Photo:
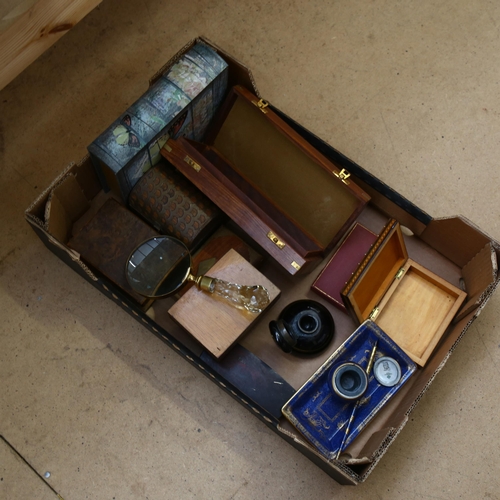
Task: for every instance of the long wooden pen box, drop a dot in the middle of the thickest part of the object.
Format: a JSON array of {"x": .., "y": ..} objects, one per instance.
[
  {"x": 280, "y": 190},
  {"x": 411, "y": 304}
]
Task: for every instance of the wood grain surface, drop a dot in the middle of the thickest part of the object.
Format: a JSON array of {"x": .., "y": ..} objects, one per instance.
[
  {"x": 35, "y": 31},
  {"x": 212, "y": 321}
]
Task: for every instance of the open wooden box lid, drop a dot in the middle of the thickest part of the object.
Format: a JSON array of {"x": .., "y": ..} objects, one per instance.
[
  {"x": 377, "y": 271},
  {"x": 281, "y": 191},
  {"x": 311, "y": 191}
]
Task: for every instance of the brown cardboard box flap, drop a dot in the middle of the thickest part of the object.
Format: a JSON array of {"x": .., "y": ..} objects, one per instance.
[
  {"x": 65, "y": 205},
  {"x": 479, "y": 275},
  {"x": 457, "y": 238}
]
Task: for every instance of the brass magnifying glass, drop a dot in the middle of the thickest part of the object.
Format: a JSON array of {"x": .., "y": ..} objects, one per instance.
[{"x": 160, "y": 266}]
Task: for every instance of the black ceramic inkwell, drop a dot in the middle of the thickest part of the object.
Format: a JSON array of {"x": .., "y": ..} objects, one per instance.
[
  {"x": 349, "y": 381},
  {"x": 304, "y": 326}
]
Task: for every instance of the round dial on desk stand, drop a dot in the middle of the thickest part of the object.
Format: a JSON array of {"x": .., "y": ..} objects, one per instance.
[{"x": 387, "y": 371}]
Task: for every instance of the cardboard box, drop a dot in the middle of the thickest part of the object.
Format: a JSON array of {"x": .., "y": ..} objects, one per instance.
[{"x": 255, "y": 372}]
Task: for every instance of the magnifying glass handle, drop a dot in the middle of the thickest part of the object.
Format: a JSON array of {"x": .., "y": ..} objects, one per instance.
[{"x": 253, "y": 298}]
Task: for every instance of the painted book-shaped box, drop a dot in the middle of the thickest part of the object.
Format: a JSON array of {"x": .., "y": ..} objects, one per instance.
[{"x": 180, "y": 104}]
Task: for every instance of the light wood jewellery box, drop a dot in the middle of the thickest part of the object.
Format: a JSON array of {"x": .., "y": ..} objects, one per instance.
[{"x": 413, "y": 305}]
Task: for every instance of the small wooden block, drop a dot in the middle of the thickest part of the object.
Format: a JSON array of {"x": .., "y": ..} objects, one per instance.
[{"x": 215, "y": 323}]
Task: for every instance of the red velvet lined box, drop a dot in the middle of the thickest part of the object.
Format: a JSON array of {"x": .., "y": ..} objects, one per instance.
[{"x": 346, "y": 259}]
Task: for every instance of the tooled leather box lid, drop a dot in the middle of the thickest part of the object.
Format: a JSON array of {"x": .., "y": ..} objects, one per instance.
[{"x": 375, "y": 274}]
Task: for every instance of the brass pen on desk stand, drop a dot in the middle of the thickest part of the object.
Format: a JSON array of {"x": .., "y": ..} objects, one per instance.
[
  {"x": 368, "y": 370},
  {"x": 369, "y": 366}
]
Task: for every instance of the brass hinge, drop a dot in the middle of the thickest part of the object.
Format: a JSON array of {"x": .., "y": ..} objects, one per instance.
[
  {"x": 296, "y": 266},
  {"x": 400, "y": 273},
  {"x": 280, "y": 244},
  {"x": 374, "y": 314},
  {"x": 262, "y": 105},
  {"x": 343, "y": 175},
  {"x": 192, "y": 163}
]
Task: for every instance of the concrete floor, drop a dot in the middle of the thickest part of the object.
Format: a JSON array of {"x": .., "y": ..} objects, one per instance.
[{"x": 409, "y": 90}]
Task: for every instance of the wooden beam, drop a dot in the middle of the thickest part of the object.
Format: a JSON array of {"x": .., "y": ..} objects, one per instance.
[{"x": 35, "y": 31}]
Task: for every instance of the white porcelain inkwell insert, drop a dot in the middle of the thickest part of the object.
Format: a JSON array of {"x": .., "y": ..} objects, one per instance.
[{"x": 387, "y": 371}]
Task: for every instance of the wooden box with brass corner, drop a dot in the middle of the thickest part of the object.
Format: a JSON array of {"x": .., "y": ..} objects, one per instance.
[{"x": 287, "y": 196}]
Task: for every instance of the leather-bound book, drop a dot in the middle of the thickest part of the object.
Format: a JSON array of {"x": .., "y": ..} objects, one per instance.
[{"x": 107, "y": 240}]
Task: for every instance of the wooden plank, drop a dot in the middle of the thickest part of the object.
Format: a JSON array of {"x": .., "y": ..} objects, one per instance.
[
  {"x": 35, "y": 31},
  {"x": 11, "y": 10}
]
